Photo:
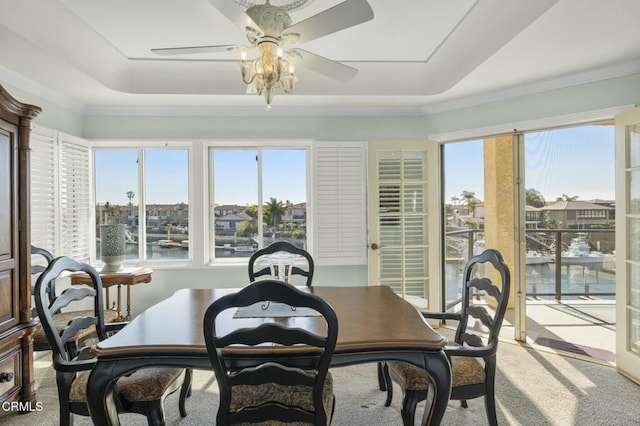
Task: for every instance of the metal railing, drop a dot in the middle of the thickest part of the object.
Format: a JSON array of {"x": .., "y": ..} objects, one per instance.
[{"x": 560, "y": 263}]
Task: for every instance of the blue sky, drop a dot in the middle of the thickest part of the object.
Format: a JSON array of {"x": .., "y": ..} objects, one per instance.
[
  {"x": 573, "y": 161},
  {"x": 235, "y": 175}
]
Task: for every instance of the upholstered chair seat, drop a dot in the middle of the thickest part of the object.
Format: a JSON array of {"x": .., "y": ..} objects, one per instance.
[
  {"x": 464, "y": 371},
  {"x": 299, "y": 396},
  {"x": 144, "y": 385}
]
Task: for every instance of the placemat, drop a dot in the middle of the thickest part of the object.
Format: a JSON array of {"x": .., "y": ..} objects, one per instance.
[{"x": 274, "y": 310}]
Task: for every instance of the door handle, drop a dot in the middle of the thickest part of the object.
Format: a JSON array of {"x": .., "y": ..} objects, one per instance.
[{"x": 375, "y": 246}]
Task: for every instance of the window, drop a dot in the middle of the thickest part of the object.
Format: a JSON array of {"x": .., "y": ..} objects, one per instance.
[
  {"x": 256, "y": 194},
  {"x": 155, "y": 208},
  {"x": 259, "y": 195}
]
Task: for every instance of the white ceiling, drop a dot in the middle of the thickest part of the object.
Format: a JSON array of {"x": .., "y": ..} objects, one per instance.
[{"x": 414, "y": 55}]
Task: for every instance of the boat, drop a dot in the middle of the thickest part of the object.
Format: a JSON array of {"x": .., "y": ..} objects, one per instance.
[
  {"x": 532, "y": 257},
  {"x": 185, "y": 244},
  {"x": 168, "y": 244},
  {"x": 244, "y": 249},
  {"x": 579, "y": 253}
]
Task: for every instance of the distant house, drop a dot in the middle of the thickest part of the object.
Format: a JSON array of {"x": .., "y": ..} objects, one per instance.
[
  {"x": 228, "y": 222},
  {"x": 580, "y": 214},
  {"x": 226, "y": 209},
  {"x": 296, "y": 213},
  {"x": 532, "y": 217}
]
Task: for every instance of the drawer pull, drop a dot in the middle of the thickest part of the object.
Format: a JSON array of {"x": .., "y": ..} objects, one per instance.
[{"x": 7, "y": 376}]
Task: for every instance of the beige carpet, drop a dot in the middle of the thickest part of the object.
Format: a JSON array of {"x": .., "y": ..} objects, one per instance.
[{"x": 533, "y": 388}]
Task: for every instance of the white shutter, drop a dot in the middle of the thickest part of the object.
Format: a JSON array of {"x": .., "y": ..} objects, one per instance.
[
  {"x": 340, "y": 203},
  {"x": 75, "y": 197},
  {"x": 43, "y": 188}
]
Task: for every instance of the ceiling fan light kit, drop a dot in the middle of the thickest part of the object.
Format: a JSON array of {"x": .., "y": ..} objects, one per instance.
[
  {"x": 269, "y": 27},
  {"x": 268, "y": 72}
]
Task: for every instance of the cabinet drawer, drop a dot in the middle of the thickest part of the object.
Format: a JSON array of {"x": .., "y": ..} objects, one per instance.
[{"x": 10, "y": 377}]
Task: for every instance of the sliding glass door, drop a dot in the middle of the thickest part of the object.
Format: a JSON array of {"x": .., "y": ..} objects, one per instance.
[{"x": 628, "y": 239}]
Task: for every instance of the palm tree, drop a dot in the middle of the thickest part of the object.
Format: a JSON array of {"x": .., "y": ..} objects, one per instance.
[
  {"x": 273, "y": 211},
  {"x": 470, "y": 198},
  {"x": 565, "y": 197}
]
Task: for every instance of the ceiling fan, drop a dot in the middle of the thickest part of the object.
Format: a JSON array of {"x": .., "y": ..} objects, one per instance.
[{"x": 269, "y": 28}]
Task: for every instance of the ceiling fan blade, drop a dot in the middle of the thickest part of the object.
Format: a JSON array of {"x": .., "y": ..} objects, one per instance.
[
  {"x": 321, "y": 65},
  {"x": 339, "y": 17},
  {"x": 234, "y": 13},
  {"x": 168, "y": 51}
]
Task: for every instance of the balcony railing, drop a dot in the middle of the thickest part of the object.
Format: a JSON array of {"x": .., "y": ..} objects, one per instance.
[{"x": 560, "y": 263}]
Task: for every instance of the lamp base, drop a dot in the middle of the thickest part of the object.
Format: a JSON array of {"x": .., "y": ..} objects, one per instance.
[{"x": 112, "y": 263}]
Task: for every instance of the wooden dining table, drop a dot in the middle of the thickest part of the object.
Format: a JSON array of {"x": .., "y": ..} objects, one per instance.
[{"x": 375, "y": 324}]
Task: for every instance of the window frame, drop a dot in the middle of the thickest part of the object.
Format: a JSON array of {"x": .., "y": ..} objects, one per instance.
[
  {"x": 210, "y": 146},
  {"x": 140, "y": 146}
]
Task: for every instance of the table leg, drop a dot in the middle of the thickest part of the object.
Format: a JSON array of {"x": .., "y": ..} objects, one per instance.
[
  {"x": 106, "y": 290},
  {"x": 119, "y": 306},
  {"x": 438, "y": 367},
  {"x": 128, "y": 317},
  {"x": 100, "y": 395}
]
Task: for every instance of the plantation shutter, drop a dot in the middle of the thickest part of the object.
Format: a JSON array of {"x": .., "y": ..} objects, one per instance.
[
  {"x": 75, "y": 196},
  {"x": 402, "y": 189},
  {"x": 340, "y": 203},
  {"x": 60, "y": 193},
  {"x": 43, "y": 189}
]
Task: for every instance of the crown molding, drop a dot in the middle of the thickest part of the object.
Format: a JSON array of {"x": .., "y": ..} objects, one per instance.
[
  {"x": 589, "y": 76},
  {"x": 584, "y": 77},
  {"x": 233, "y": 111},
  {"x": 36, "y": 89}
]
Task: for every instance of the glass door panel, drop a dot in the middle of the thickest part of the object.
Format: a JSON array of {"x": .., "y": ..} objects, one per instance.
[{"x": 628, "y": 243}]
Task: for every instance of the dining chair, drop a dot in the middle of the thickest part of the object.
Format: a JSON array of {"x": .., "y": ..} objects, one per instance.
[
  {"x": 60, "y": 319},
  {"x": 272, "y": 389},
  {"x": 472, "y": 354},
  {"x": 258, "y": 259},
  {"x": 37, "y": 268},
  {"x": 141, "y": 392}
]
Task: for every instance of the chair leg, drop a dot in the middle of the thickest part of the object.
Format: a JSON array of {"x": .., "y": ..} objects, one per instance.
[
  {"x": 381, "y": 379},
  {"x": 490, "y": 407},
  {"x": 333, "y": 409},
  {"x": 155, "y": 414},
  {"x": 185, "y": 391},
  {"x": 388, "y": 384},
  {"x": 409, "y": 405},
  {"x": 463, "y": 403},
  {"x": 66, "y": 417}
]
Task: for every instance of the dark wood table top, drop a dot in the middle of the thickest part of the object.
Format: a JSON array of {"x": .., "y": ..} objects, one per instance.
[{"x": 369, "y": 317}]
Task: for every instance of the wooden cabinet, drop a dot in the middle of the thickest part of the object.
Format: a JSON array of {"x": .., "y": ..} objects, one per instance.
[{"x": 16, "y": 325}]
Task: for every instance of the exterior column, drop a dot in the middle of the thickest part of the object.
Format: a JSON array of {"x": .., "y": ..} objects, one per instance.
[{"x": 500, "y": 201}]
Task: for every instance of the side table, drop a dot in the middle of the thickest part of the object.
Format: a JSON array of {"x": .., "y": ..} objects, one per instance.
[{"x": 127, "y": 277}]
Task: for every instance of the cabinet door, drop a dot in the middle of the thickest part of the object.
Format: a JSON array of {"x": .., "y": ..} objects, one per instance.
[{"x": 8, "y": 233}]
